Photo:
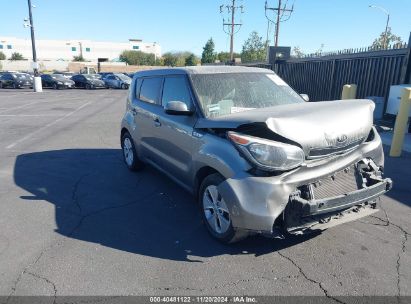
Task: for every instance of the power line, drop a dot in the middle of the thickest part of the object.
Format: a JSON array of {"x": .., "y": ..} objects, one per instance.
[
  {"x": 230, "y": 27},
  {"x": 282, "y": 14}
]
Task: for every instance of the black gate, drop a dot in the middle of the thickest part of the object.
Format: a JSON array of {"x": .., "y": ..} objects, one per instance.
[{"x": 322, "y": 78}]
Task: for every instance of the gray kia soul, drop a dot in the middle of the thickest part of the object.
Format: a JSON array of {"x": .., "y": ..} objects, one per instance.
[{"x": 256, "y": 155}]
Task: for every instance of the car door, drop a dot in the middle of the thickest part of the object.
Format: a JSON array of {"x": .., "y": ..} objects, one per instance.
[
  {"x": 9, "y": 80},
  {"x": 110, "y": 80},
  {"x": 174, "y": 135},
  {"x": 47, "y": 80},
  {"x": 118, "y": 82},
  {"x": 146, "y": 106}
]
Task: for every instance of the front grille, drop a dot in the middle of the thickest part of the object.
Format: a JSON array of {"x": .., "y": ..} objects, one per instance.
[
  {"x": 338, "y": 184},
  {"x": 321, "y": 152}
]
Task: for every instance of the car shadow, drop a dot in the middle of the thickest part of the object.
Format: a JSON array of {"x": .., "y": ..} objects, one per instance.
[{"x": 98, "y": 200}]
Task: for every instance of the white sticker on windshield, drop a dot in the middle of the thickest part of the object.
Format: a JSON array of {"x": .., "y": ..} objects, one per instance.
[
  {"x": 240, "y": 109},
  {"x": 277, "y": 80},
  {"x": 213, "y": 107}
]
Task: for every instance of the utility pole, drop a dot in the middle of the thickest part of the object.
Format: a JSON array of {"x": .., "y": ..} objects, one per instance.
[
  {"x": 230, "y": 26},
  {"x": 282, "y": 14},
  {"x": 37, "y": 79},
  {"x": 33, "y": 41}
]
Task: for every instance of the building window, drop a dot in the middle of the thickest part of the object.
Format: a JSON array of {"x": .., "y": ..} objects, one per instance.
[
  {"x": 135, "y": 47},
  {"x": 1, "y": 46},
  {"x": 87, "y": 49},
  {"x": 9, "y": 47},
  {"x": 73, "y": 49}
]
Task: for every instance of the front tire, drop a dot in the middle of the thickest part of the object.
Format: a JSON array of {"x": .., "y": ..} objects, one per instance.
[
  {"x": 129, "y": 153},
  {"x": 215, "y": 213},
  {"x": 88, "y": 86},
  {"x": 55, "y": 86}
]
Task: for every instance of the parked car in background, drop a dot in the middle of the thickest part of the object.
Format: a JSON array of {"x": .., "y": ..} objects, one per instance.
[
  {"x": 87, "y": 81},
  {"x": 257, "y": 156},
  {"x": 117, "y": 81},
  {"x": 56, "y": 81},
  {"x": 104, "y": 74},
  {"x": 68, "y": 75},
  {"x": 16, "y": 80}
]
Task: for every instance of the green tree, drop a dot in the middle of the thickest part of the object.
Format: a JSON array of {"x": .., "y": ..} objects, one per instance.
[
  {"x": 225, "y": 56},
  {"x": 208, "y": 55},
  {"x": 2, "y": 56},
  {"x": 16, "y": 56},
  {"x": 253, "y": 49},
  {"x": 191, "y": 60},
  {"x": 170, "y": 59},
  {"x": 179, "y": 58},
  {"x": 391, "y": 40},
  {"x": 79, "y": 58},
  {"x": 137, "y": 58}
]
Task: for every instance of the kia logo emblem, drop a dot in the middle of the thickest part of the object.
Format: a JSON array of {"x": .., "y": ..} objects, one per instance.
[{"x": 342, "y": 139}]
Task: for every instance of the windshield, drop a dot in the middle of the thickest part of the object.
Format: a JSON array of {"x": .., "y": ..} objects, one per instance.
[
  {"x": 21, "y": 76},
  {"x": 59, "y": 77},
  {"x": 89, "y": 76},
  {"x": 123, "y": 77},
  {"x": 228, "y": 93}
]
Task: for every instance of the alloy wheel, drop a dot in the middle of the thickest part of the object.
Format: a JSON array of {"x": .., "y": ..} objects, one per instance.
[
  {"x": 215, "y": 210},
  {"x": 128, "y": 152}
]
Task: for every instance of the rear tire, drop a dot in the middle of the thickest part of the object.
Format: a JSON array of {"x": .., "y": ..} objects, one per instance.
[
  {"x": 215, "y": 213},
  {"x": 129, "y": 153}
]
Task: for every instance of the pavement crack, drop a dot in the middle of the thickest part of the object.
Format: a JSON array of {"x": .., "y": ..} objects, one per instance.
[
  {"x": 70, "y": 234},
  {"x": 47, "y": 281},
  {"x": 405, "y": 234},
  {"x": 74, "y": 195},
  {"x": 80, "y": 222},
  {"x": 401, "y": 252},
  {"x": 310, "y": 279}
]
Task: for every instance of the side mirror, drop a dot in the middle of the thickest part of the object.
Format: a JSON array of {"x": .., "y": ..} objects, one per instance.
[
  {"x": 305, "y": 97},
  {"x": 177, "y": 108}
]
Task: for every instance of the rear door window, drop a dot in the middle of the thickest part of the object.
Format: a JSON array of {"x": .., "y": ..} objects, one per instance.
[{"x": 150, "y": 90}]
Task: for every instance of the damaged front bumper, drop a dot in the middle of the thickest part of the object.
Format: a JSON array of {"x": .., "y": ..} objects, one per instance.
[
  {"x": 323, "y": 194},
  {"x": 302, "y": 215}
]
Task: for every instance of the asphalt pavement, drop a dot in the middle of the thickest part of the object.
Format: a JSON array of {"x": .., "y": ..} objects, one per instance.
[{"x": 75, "y": 221}]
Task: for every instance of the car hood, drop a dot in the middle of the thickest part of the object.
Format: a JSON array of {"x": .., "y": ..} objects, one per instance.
[{"x": 317, "y": 127}]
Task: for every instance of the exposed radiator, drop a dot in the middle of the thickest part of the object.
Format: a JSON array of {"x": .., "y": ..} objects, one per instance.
[{"x": 338, "y": 184}]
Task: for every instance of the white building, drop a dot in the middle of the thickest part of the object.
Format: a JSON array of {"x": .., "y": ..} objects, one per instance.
[{"x": 65, "y": 50}]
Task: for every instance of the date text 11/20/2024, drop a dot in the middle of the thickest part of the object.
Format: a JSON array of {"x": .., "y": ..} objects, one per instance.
[{"x": 203, "y": 299}]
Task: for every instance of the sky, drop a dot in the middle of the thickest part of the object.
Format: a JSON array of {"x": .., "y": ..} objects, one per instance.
[{"x": 186, "y": 25}]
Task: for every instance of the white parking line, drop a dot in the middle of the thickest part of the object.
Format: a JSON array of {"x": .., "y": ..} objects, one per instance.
[
  {"x": 31, "y": 115},
  {"x": 47, "y": 126},
  {"x": 23, "y": 106}
]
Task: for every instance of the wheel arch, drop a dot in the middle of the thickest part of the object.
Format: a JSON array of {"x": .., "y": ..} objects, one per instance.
[{"x": 201, "y": 174}]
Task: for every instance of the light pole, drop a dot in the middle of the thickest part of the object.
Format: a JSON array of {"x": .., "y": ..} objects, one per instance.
[
  {"x": 386, "y": 26},
  {"x": 37, "y": 78}
]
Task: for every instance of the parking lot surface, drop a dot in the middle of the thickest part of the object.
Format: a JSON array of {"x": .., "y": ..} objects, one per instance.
[{"x": 75, "y": 221}]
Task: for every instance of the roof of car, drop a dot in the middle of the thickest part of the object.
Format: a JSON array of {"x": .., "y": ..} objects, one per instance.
[{"x": 210, "y": 69}]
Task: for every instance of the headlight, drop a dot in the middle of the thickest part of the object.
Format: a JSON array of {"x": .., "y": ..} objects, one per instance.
[
  {"x": 266, "y": 154},
  {"x": 59, "y": 82}
]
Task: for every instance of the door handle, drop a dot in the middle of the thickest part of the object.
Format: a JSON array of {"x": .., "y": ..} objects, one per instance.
[
  {"x": 157, "y": 122},
  {"x": 134, "y": 111}
]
